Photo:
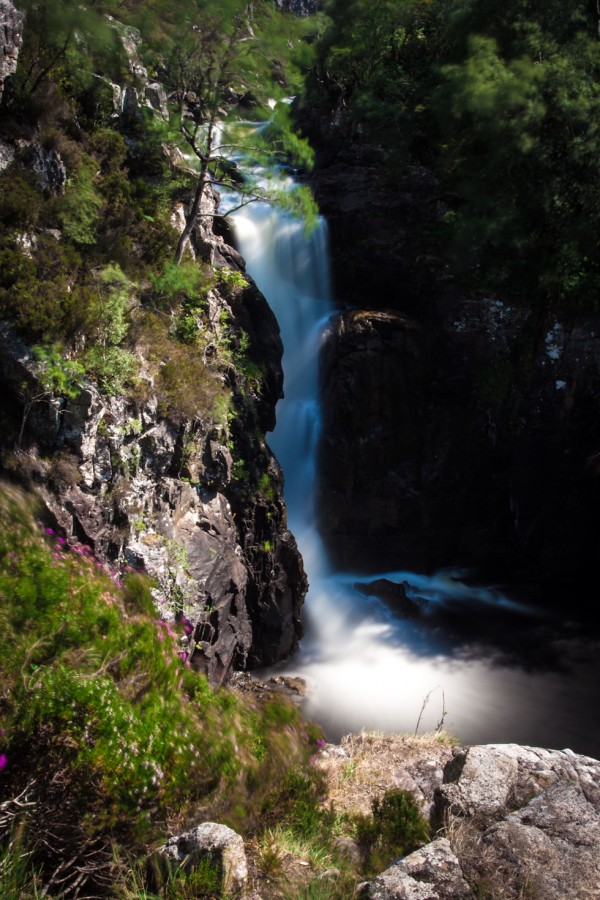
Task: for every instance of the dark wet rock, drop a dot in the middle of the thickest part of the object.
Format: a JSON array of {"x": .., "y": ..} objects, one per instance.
[
  {"x": 476, "y": 442},
  {"x": 394, "y": 595}
]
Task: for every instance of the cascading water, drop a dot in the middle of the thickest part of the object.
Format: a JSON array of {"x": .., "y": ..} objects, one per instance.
[{"x": 367, "y": 668}]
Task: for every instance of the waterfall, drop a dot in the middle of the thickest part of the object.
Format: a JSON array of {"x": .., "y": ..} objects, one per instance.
[{"x": 366, "y": 667}]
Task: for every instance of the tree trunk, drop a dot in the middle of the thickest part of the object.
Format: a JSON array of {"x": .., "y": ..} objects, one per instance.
[{"x": 191, "y": 219}]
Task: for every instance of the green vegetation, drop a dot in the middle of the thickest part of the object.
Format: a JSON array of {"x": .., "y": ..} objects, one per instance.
[
  {"x": 396, "y": 828},
  {"x": 107, "y": 734},
  {"x": 98, "y": 699},
  {"x": 501, "y": 99},
  {"x": 87, "y": 253}
]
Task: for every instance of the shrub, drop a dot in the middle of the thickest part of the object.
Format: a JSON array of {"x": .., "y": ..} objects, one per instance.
[
  {"x": 394, "y": 829},
  {"x": 80, "y": 207},
  {"x": 19, "y": 200}
]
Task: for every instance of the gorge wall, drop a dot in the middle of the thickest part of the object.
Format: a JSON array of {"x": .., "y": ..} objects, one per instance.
[
  {"x": 146, "y": 490},
  {"x": 458, "y": 428}
]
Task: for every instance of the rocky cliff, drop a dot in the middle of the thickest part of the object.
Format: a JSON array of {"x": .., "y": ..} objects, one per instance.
[
  {"x": 458, "y": 428},
  {"x": 11, "y": 39},
  {"x": 199, "y": 509}
]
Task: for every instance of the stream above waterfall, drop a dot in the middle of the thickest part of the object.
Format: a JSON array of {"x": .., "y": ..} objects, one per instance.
[{"x": 472, "y": 658}]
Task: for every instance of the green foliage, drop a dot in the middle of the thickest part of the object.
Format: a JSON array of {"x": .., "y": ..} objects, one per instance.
[
  {"x": 17, "y": 877},
  {"x": 80, "y": 207},
  {"x": 56, "y": 374},
  {"x": 299, "y": 805},
  {"x": 113, "y": 368},
  {"x": 204, "y": 881},
  {"x": 394, "y": 829},
  {"x": 185, "y": 285},
  {"x": 95, "y": 683},
  {"x": 266, "y": 486},
  {"x": 231, "y": 278},
  {"x": 337, "y": 887},
  {"x": 502, "y": 99},
  {"x": 114, "y": 294},
  {"x": 19, "y": 199}
]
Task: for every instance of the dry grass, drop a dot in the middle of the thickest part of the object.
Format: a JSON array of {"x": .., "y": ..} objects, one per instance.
[
  {"x": 368, "y": 764},
  {"x": 279, "y": 859}
]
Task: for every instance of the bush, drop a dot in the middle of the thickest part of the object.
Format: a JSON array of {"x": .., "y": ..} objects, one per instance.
[{"x": 394, "y": 829}]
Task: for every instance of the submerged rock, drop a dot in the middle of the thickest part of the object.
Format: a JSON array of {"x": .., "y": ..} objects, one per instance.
[{"x": 394, "y": 595}]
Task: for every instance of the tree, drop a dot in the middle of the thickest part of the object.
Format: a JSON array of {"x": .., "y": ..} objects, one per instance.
[
  {"x": 55, "y": 376},
  {"x": 519, "y": 118},
  {"x": 54, "y": 31},
  {"x": 222, "y": 62}
]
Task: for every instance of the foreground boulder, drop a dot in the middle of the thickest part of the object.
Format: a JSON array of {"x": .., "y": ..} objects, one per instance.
[
  {"x": 508, "y": 821},
  {"x": 218, "y": 844},
  {"x": 432, "y": 873},
  {"x": 525, "y": 818}
]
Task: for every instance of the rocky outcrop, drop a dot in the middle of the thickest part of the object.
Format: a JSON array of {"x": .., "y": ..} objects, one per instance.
[
  {"x": 222, "y": 847},
  {"x": 300, "y": 7},
  {"x": 525, "y": 818},
  {"x": 151, "y": 491},
  {"x": 432, "y": 873},
  {"x": 507, "y": 820},
  {"x": 11, "y": 40},
  {"x": 49, "y": 169}
]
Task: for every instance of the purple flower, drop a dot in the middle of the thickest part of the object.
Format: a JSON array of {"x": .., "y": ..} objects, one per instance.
[
  {"x": 49, "y": 531},
  {"x": 3, "y": 761}
]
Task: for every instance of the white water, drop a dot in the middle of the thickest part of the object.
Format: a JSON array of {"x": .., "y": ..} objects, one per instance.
[{"x": 365, "y": 667}]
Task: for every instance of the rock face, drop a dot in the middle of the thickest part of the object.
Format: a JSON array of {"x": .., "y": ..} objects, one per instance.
[
  {"x": 531, "y": 816},
  {"x": 300, "y": 7},
  {"x": 149, "y": 491},
  {"x": 222, "y": 846},
  {"x": 11, "y": 40},
  {"x": 519, "y": 821},
  {"x": 457, "y": 429},
  {"x": 432, "y": 873}
]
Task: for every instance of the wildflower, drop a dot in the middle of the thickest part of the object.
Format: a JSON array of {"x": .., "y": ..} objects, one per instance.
[{"x": 3, "y": 761}]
